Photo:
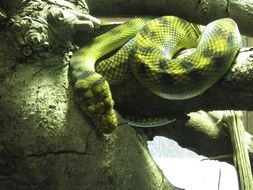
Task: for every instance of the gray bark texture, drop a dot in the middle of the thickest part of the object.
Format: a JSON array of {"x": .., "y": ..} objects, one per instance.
[
  {"x": 198, "y": 11},
  {"x": 46, "y": 142},
  {"x": 234, "y": 86},
  {"x": 241, "y": 159}
]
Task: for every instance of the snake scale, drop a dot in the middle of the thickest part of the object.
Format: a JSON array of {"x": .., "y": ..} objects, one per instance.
[{"x": 147, "y": 48}]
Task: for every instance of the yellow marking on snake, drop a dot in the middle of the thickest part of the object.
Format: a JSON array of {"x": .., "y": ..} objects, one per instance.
[{"x": 148, "y": 50}]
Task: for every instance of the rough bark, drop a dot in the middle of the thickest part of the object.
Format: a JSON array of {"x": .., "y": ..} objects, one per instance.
[
  {"x": 45, "y": 142},
  {"x": 233, "y": 121},
  {"x": 204, "y": 133},
  {"x": 199, "y": 11},
  {"x": 231, "y": 92}
]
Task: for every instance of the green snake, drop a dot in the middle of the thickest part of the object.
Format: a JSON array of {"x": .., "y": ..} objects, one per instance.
[{"x": 147, "y": 48}]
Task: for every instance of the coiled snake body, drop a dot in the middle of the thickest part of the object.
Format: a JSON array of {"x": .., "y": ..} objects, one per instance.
[{"x": 150, "y": 46}]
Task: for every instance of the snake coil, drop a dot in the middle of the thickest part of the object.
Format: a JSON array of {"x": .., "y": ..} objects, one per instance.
[{"x": 148, "y": 50}]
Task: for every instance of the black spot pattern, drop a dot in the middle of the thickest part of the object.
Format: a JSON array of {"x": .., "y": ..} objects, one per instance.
[
  {"x": 218, "y": 60},
  {"x": 162, "y": 64},
  {"x": 142, "y": 68},
  {"x": 230, "y": 39},
  {"x": 196, "y": 75},
  {"x": 98, "y": 82},
  {"x": 144, "y": 50},
  {"x": 207, "y": 53},
  {"x": 79, "y": 91},
  {"x": 187, "y": 65},
  {"x": 84, "y": 75},
  {"x": 167, "y": 79},
  {"x": 151, "y": 34},
  {"x": 163, "y": 21},
  {"x": 145, "y": 30}
]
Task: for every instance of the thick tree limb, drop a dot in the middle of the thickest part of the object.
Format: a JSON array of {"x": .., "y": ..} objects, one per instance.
[
  {"x": 45, "y": 142},
  {"x": 204, "y": 133},
  {"x": 199, "y": 11},
  {"x": 233, "y": 91}
]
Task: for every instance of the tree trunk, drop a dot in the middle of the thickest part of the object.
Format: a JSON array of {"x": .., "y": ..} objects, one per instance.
[{"x": 45, "y": 142}]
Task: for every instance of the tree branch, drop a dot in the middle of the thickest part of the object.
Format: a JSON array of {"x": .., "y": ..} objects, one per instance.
[
  {"x": 231, "y": 92},
  {"x": 204, "y": 133},
  {"x": 198, "y": 11},
  {"x": 233, "y": 121},
  {"x": 200, "y": 131}
]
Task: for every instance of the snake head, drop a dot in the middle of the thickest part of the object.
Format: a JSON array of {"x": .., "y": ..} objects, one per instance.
[{"x": 94, "y": 95}]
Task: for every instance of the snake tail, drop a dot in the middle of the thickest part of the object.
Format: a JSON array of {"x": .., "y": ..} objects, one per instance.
[
  {"x": 147, "y": 122},
  {"x": 92, "y": 90}
]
